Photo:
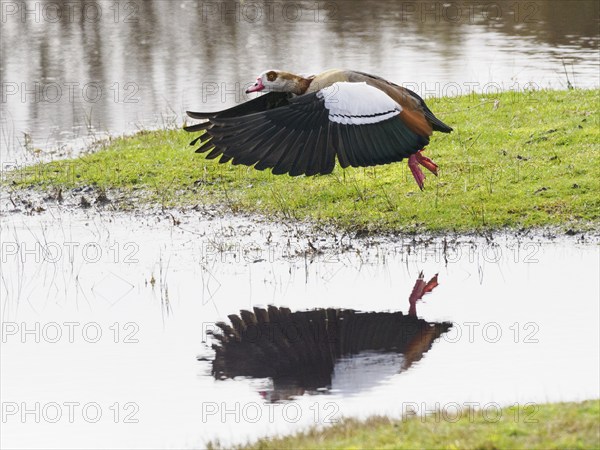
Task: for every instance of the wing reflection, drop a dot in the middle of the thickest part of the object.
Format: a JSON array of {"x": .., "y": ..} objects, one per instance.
[{"x": 323, "y": 349}]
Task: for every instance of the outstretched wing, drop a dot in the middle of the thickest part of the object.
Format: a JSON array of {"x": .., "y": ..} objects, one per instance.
[
  {"x": 262, "y": 103},
  {"x": 357, "y": 123}
]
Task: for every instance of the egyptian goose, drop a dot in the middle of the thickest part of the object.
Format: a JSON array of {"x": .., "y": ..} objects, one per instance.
[{"x": 303, "y": 123}]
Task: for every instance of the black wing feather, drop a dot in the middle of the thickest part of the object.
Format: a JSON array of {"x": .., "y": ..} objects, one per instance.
[
  {"x": 198, "y": 127},
  {"x": 294, "y": 135},
  {"x": 285, "y": 163},
  {"x": 356, "y": 146},
  {"x": 262, "y": 103},
  {"x": 303, "y": 157},
  {"x": 278, "y": 152}
]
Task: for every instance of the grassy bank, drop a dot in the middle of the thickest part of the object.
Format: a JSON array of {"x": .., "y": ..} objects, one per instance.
[
  {"x": 556, "y": 425},
  {"x": 514, "y": 160}
]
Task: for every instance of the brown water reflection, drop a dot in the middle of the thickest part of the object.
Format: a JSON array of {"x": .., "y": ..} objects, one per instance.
[
  {"x": 70, "y": 72},
  {"x": 299, "y": 350}
]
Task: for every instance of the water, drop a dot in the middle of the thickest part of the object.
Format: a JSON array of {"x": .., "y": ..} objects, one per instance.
[
  {"x": 524, "y": 313},
  {"x": 73, "y": 74}
]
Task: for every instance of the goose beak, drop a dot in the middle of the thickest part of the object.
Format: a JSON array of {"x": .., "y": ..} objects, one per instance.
[{"x": 258, "y": 86}]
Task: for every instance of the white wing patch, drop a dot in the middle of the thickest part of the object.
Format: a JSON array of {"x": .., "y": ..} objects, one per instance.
[{"x": 358, "y": 104}]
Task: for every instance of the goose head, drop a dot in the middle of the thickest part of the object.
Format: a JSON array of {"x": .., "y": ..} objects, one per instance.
[{"x": 279, "y": 81}]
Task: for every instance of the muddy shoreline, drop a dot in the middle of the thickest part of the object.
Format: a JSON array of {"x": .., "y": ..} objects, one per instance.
[{"x": 316, "y": 238}]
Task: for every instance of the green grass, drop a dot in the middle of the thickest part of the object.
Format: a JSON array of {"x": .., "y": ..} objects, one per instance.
[
  {"x": 518, "y": 160},
  {"x": 555, "y": 425}
]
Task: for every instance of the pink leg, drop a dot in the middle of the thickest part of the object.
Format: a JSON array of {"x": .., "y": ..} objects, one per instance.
[
  {"x": 419, "y": 159},
  {"x": 427, "y": 163},
  {"x": 419, "y": 290},
  {"x": 413, "y": 165}
]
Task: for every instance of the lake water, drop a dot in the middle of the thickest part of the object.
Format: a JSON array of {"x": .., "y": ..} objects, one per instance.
[
  {"x": 106, "y": 314},
  {"x": 73, "y": 73}
]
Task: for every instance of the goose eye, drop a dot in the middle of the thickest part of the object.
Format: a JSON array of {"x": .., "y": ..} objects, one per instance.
[{"x": 271, "y": 76}]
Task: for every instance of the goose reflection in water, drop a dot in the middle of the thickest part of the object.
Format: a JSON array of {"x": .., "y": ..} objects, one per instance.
[{"x": 323, "y": 350}]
